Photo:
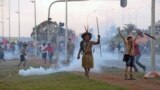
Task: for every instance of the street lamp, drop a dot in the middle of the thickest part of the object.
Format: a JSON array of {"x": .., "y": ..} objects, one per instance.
[
  {"x": 2, "y": 5},
  {"x": 66, "y": 25},
  {"x": 9, "y": 19},
  {"x": 49, "y": 18},
  {"x": 153, "y": 73},
  {"x": 35, "y": 27},
  {"x": 19, "y": 27}
]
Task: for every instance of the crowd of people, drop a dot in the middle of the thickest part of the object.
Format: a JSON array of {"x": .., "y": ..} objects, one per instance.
[
  {"x": 131, "y": 55},
  {"x": 46, "y": 50},
  {"x": 118, "y": 47},
  {"x": 131, "y": 49}
]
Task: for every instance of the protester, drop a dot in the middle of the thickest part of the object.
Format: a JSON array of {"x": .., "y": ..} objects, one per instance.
[
  {"x": 86, "y": 48},
  {"x": 70, "y": 49},
  {"x": 50, "y": 50},
  {"x": 22, "y": 56},
  {"x": 1, "y": 54},
  {"x": 129, "y": 55},
  {"x": 137, "y": 53},
  {"x": 44, "y": 52}
]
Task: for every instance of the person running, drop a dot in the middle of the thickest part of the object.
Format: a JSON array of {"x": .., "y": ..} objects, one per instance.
[
  {"x": 22, "y": 56},
  {"x": 87, "y": 58},
  {"x": 129, "y": 55},
  {"x": 50, "y": 50},
  {"x": 137, "y": 53},
  {"x": 44, "y": 52}
]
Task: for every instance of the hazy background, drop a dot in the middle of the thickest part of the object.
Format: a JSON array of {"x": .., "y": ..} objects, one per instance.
[{"x": 107, "y": 11}]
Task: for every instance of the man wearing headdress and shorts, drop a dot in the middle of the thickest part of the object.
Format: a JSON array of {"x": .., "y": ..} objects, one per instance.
[{"x": 86, "y": 50}]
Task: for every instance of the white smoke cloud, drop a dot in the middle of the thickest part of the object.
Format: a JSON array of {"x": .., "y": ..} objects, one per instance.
[
  {"x": 75, "y": 65},
  {"x": 10, "y": 56}
]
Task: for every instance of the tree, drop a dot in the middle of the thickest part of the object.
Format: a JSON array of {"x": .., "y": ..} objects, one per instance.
[
  {"x": 42, "y": 30},
  {"x": 129, "y": 28},
  {"x": 52, "y": 30}
]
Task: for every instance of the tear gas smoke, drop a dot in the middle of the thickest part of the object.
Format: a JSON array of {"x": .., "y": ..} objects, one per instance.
[{"x": 75, "y": 65}]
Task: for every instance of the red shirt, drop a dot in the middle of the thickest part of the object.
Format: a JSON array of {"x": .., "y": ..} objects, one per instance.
[
  {"x": 136, "y": 49},
  {"x": 50, "y": 49}
]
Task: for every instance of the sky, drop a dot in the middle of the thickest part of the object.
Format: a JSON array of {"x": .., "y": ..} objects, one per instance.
[{"x": 109, "y": 12}]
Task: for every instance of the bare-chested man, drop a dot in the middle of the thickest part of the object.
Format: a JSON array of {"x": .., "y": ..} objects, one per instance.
[{"x": 129, "y": 55}]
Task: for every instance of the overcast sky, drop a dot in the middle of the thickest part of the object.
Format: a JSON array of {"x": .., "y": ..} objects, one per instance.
[{"x": 109, "y": 13}]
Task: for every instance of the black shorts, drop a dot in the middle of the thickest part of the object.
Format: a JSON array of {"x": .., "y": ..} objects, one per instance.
[
  {"x": 44, "y": 55},
  {"x": 130, "y": 61},
  {"x": 22, "y": 57}
]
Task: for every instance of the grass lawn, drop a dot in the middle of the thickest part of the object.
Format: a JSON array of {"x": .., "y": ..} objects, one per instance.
[{"x": 10, "y": 80}]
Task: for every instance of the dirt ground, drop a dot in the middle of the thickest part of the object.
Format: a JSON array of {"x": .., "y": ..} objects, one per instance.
[
  {"x": 111, "y": 76},
  {"x": 116, "y": 77}
]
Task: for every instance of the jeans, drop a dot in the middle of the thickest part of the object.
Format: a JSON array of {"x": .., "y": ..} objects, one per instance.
[
  {"x": 136, "y": 61},
  {"x": 50, "y": 55}
]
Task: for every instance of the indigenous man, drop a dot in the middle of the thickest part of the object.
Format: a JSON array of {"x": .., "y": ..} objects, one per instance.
[{"x": 86, "y": 49}]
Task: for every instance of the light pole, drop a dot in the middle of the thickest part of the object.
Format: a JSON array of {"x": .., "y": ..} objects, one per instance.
[
  {"x": 35, "y": 26},
  {"x": 2, "y": 5},
  {"x": 153, "y": 73},
  {"x": 9, "y": 20},
  {"x": 153, "y": 34},
  {"x": 66, "y": 31},
  {"x": 19, "y": 27},
  {"x": 66, "y": 20}
]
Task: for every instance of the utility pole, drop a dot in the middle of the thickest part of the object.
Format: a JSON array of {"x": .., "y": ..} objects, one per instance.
[
  {"x": 9, "y": 20},
  {"x": 2, "y": 18},
  {"x": 19, "y": 26},
  {"x": 152, "y": 73},
  {"x": 153, "y": 34},
  {"x": 66, "y": 31},
  {"x": 35, "y": 26}
]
